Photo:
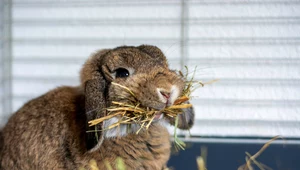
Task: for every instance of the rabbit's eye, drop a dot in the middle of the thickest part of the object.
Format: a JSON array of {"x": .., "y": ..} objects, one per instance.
[{"x": 122, "y": 73}]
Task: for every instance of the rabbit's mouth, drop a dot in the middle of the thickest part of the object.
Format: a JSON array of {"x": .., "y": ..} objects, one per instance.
[{"x": 158, "y": 116}]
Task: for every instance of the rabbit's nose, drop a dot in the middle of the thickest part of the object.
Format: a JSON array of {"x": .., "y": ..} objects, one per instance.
[{"x": 168, "y": 97}]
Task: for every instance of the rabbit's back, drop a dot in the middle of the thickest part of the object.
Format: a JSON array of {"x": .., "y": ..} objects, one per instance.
[{"x": 44, "y": 132}]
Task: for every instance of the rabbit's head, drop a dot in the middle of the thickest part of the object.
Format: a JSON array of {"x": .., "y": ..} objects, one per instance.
[{"x": 144, "y": 70}]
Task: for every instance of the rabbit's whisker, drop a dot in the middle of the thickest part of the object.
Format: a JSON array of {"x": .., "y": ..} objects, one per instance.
[
  {"x": 93, "y": 110},
  {"x": 89, "y": 131}
]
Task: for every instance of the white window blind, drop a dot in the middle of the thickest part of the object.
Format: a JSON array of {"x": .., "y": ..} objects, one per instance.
[
  {"x": 5, "y": 61},
  {"x": 252, "y": 47},
  {"x": 1, "y": 60}
]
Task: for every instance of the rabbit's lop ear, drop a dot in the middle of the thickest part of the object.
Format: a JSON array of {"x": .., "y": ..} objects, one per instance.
[
  {"x": 95, "y": 89},
  {"x": 185, "y": 120},
  {"x": 154, "y": 52}
]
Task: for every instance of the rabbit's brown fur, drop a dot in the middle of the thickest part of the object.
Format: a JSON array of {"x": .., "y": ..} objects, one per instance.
[{"x": 49, "y": 132}]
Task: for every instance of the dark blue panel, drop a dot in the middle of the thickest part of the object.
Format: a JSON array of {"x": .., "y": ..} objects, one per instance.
[{"x": 231, "y": 156}]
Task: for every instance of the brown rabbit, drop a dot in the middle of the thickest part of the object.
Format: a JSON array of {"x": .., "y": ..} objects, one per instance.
[{"x": 50, "y": 132}]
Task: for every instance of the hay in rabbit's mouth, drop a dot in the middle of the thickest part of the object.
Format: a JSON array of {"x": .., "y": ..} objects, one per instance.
[{"x": 132, "y": 112}]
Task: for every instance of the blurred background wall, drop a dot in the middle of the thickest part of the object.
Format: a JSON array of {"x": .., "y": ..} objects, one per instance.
[{"x": 251, "y": 46}]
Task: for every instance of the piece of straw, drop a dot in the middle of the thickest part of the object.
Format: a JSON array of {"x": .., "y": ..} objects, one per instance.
[
  {"x": 250, "y": 159},
  {"x": 200, "y": 163}
]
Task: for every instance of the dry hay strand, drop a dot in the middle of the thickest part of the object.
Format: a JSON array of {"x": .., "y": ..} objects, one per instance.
[
  {"x": 201, "y": 160},
  {"x": 251, "y": 159},
  {"x": 134, "y": 113}
]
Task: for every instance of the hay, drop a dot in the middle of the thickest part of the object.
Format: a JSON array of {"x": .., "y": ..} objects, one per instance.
[
  {"x": 134, "y": 113},
  {"x": 251, "y": 159},
  {"x": 201, "y": 160}
]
